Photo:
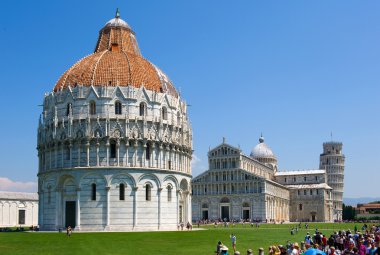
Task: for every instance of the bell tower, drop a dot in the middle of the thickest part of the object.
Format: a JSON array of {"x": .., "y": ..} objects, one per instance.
[{"x": 332, "y": 160}]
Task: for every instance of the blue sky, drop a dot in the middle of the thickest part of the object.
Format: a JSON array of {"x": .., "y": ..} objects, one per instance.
[{"x": 294, "y": 70}]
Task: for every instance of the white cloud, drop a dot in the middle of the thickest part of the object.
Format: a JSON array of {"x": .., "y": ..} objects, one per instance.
[
  {"x": 7, "y": 184},
  {"x": 197, "y": 166}
]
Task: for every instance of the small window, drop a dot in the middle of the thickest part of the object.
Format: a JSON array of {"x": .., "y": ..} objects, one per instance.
[
  {"x": 169, "y": 194},
  {"x": 304, "y": 178},
  {"x": 316, "y": 178},
  {"x": 294, "y": 179},
  {"x": 93, "y": 192},
  {"x": 148, "y": 192},
  {"x": 311, "y": 192},
  {"x": 92, "y": 107},
  {"x": 300, "y": 207},
  {"x": 178, "y": 118},
  {"x": 147, "y": 151},
  {"x": 298, "y": 191},
  {"x": 285, "y": 179},
  {"x": 142, "y": 109},
  {"x": 113, "y": 149},
  {"x": 122, "y": 191},
  {"x": 317, "y": 192},
  {"x": 118, "y": 109},
  {"x": 169, "y": 164},
  {"x": 69, "y": 109},
  {"x": 67, "y": 152},
  {"x": 304, "y": 192},
  {"x": 164, "y": 113}
]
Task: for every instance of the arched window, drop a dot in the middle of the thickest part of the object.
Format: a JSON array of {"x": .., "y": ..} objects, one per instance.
[
  {"x": 178, "y": 118},
  {"x": 92, "y": 107},
  {"x": 68, "y": 109},
  {"x": 113, "y": 149},
  {"x": 142, "y": 109},
  {"x": 148, "y": 192},
  {"x": 121, "y": 191},
  {"x": 169, "y": 193},
  {"x": 67, "y": 152},
  {"x": 164, "y": 113},
  {"x": 93, "y": 191},
  {"x": 147, "y": 151},
  {"x": 118, "y": 108}
]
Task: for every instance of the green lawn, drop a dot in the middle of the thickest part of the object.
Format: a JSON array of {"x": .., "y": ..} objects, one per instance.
[{"x": 201, "y": 242}]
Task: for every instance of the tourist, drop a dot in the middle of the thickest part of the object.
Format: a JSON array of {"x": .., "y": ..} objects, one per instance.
[
  {"x": 249, "y": 252},
  {"x": 233, "y": 240},
  {"x": 224, "y": 250},
  {"x": 361, "y": 247},
  {"x": 373, "y": 249},
  {"x": 218, "y": 247},
  {"x": 296, "y": 249},
  {"x": 282, "y": 250},
  {"x": 68, "y": 231}
]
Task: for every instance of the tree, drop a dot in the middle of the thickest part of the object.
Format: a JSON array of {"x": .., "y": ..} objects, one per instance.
[{"x": 349, "y": 212}]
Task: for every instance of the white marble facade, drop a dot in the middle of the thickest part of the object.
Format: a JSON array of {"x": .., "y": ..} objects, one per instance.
[
  {"x": 238, "y": 187},
  {"x": 114, "y": 156},
  {"x": 18, "y": 209},
  {"x": 75, "y": 151}
]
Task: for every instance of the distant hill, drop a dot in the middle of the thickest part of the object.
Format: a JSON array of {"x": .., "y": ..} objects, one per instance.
[{"x": 359, "y": 200}]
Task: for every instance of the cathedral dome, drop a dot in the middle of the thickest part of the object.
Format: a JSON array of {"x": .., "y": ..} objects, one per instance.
[
  {"x": 262, "y": 150},
  {"x": 116, "y": 61}
]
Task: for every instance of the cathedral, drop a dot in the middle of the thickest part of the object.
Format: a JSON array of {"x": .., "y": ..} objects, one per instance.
[
  {"x": 237, "y": 186},
  {"x": 114, "y": 143}
]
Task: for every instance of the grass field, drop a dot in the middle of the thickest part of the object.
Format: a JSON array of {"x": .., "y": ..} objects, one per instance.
[{"x": 201, "y": 242}]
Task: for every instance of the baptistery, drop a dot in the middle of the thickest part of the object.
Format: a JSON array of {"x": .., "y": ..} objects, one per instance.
[{"x": 114, "y": 143}]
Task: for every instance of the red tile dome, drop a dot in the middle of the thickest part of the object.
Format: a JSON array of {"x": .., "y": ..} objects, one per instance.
[{"x": 117, "y": 61}]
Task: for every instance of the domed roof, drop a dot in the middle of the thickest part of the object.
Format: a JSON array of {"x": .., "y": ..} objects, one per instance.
[
  {"x": 117, "y": 22},
  {"x": 116, "y": 61},
  {"x": 262, "y": 150}
]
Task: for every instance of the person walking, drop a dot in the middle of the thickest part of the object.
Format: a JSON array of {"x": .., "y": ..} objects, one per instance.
[
  {"x": 233, "y": 241},
  {"x": 68, "y": 231}
]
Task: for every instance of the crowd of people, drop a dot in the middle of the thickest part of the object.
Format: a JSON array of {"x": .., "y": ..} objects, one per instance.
[{"x": 344, "y": 242}]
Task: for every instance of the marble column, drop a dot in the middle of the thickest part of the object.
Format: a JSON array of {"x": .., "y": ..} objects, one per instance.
[
  {"x": 77, "y": 223},
  {"x": 88, "y": 153},
  {"x": 135, "y": 206},
  {"x": 118, "y": 152},
  {"x": 108, "y": 207},
  {"x": 58, "y": 204},
  {"x": 159, "y": 190}
]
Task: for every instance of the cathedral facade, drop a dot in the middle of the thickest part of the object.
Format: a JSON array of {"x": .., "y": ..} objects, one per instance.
[
  {"x": 114, "y": 143},
  {"x": 237, "y": 186}
]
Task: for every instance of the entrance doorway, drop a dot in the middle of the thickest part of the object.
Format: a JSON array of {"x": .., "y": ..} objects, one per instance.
[
  {"x": 225, "y": 212},
  {"x": 246, "y": 215},
  {"x": 205, "y": 214},
  {"x": 313, "y": 218},
  {"x": 70, "y": 214}
]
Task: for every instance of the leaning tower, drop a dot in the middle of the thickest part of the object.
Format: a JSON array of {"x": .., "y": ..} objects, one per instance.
[{"x": 332, "y": 159}]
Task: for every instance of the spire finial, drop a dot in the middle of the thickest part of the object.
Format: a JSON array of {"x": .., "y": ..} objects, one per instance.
[
  {"x": 261, "y": 139},
  {"x": 117, "y": 15}
]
